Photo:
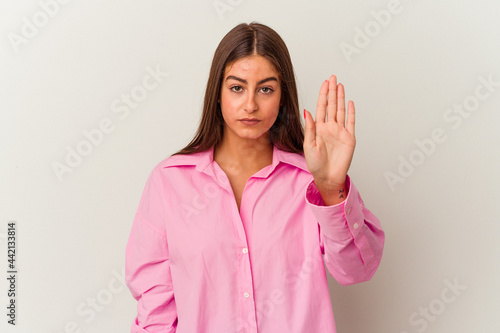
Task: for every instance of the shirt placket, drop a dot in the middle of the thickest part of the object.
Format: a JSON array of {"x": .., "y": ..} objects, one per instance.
[{"x": 247, "y": 323}]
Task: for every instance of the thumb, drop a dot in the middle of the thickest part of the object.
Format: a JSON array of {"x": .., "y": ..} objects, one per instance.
[{"x": 310, "y": 129}]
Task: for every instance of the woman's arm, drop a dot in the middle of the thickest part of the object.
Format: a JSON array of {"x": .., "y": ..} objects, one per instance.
[
  {"x": 351, "y": 237},
  {"x": 147, "y": 268}
]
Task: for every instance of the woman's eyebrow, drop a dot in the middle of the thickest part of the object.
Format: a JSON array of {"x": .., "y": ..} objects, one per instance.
[{"x": 272, "y": 78}]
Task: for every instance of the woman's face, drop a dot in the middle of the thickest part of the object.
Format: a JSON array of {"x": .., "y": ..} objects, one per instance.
[{"x": 251, "y": 89}]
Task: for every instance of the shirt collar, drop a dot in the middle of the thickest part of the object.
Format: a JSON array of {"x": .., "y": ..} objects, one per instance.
[{"x": 204, "y": 160}]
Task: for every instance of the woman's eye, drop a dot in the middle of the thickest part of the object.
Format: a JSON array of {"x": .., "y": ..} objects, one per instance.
[{"x": 266, "y": 90}]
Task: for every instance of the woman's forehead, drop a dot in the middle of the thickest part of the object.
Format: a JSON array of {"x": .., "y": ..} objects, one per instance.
[{"x": 250, "y": 65}]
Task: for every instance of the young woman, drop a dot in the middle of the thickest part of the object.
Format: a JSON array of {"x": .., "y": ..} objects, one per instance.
[{"x": 231, "y": 231}]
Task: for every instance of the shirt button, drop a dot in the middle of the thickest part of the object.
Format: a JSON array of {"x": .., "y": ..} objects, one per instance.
[
  {"x": 355, "y": 226},
  {"x": 246, "y": 295},
  {"x": 348, "y": 210},
  {"x": 245, "y": 250}
]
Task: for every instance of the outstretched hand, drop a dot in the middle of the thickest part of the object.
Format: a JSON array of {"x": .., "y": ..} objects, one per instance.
[{"x": 329, "y": 142}]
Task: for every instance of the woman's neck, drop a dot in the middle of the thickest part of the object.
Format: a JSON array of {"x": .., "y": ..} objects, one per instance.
[{"x": 245, "y": 155}]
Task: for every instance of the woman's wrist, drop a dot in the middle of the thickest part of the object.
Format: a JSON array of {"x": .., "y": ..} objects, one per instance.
[{"x": 333, "y": 195}]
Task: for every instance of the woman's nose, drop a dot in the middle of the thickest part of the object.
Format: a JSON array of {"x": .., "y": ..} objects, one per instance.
[{"x": 251, "y": 103}]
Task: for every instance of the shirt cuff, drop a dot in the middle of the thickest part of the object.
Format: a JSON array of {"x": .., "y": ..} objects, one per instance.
[
  {"x": 135, "y": 328},
  {"x": 340, "y": 222}
]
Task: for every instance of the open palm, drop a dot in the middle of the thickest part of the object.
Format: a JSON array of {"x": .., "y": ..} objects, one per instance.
[{"x": 329, "y": 145}]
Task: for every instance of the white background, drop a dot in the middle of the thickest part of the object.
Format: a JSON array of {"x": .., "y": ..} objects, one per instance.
[{"x": 440, "y": 219}]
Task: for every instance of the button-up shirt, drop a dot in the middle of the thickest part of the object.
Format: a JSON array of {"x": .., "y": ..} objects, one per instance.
[{"x": 195, "y": 263}]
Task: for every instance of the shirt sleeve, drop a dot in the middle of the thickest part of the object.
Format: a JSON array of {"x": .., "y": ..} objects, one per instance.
[
  {"x": 351, "y": 237},
  {"x": 147, "y": 268}
]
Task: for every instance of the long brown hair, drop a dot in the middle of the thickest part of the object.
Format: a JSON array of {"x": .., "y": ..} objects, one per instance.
[{"x": 243, "y": 40}]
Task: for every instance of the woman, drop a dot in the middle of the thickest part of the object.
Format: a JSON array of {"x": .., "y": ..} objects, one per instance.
[{"x": 231, "y": 231}]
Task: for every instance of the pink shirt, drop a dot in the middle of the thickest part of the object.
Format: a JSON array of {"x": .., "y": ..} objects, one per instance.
[{"x": 196, "y": 264}]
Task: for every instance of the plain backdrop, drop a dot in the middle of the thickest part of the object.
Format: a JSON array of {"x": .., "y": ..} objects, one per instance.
[{"x": 424, "y": 76}]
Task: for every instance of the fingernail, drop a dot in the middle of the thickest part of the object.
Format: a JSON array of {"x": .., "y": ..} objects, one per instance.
[{"x": 304, "y": 114}]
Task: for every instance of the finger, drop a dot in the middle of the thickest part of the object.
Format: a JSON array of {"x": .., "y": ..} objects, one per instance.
[
  {"x": 350, "y": 117},
  {"x": 341, "y": 105},
  {"x": 322, "y": 100},
  {"x": 332, "y": 98},
  {"x": 310, "y": 131}
]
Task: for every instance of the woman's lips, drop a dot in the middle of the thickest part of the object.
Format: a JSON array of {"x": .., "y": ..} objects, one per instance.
[{"x": 249, "y": 122}]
